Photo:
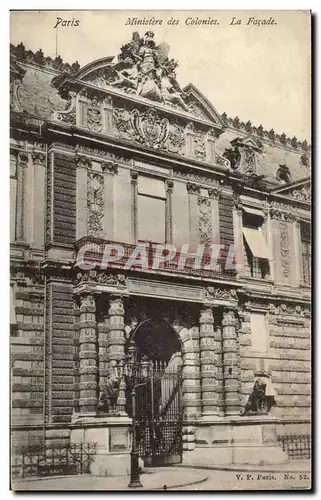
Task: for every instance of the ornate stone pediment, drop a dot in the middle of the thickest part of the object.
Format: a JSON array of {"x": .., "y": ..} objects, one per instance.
[
  {"x": 135, "y": 97},
  {"x": 242, "y": 154},
  {"x": 143, "y": 69},
  {"x": 299, "y": 190}
]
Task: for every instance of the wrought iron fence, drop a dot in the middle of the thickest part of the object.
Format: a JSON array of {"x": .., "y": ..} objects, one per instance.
[
  {"x": 39, "y": 461},
  {"x": 297, "y": 447}
]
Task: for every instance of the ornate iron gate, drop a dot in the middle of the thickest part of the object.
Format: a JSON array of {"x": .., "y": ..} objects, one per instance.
[{"x": 159, "y": 416}]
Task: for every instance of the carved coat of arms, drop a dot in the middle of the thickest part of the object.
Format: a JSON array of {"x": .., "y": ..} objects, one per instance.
[{"x": 150, "y": 128}]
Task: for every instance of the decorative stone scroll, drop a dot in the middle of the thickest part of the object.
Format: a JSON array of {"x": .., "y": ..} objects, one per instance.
[
  {"x": 285, "y": 250},
  {"x": 220, "y": 293},
  {"x": 95, "y": 202},
  {"x": 205, "y": 220}
]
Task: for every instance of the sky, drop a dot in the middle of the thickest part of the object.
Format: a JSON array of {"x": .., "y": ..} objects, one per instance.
[{"x": 258, "y": 73}]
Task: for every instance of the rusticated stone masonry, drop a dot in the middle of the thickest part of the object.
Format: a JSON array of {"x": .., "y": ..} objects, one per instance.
[
  {"x": 116, "y": 339},
  {"x": 191, "y": 372},
  {"x": 231, "y": 366},
  {"x": 87, "y": 355},
  {"x": 218, "y": 360},
  {"x": 207, "y": 356}
]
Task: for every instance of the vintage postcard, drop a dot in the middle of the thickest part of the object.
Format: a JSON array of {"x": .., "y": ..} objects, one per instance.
[{"x": 160, "y": 250}]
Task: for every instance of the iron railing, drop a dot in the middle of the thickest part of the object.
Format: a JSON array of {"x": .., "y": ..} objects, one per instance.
[
  {"x": 39, "y": 461},
  {"x": 297, "y": 447}
]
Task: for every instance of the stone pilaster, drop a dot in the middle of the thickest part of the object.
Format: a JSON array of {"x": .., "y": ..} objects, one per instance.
[
  {"x": 107, "y": 115},
  {"x": 207, "y": 357},
  {"x": 110, "y": 169},
  {"x": 193, "y": 193},
  {"x": 231, "y": 366},
  {"x": 134, "y": 180},
  {"x": 214, "y": 194},
  {"x": 238, "y": 237},
  {"x": 169, "y": 212},
  {"x": 38, "y": 205},
  {"x": 83, "y": 165},
  {"x": 87, "y": 355},
  {"x": 21, "y": 196}
]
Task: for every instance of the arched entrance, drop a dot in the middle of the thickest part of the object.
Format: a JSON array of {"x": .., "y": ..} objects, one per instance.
[{"x": 158, "y": 400}]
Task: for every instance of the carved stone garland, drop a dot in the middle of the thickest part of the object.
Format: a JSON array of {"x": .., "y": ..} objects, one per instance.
[
  {"x": 95, "y": 202},
  {"x": 205, "y": 220},
  {"x": 285, "y": 253}
]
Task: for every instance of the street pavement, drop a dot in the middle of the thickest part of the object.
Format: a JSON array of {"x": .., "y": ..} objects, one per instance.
[{"x": 292, "y": 476}]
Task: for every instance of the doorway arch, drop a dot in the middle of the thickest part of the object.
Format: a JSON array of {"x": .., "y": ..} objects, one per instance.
[{"x": 159, "y": 405}]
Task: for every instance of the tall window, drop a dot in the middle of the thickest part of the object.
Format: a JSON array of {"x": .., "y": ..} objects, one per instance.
[
  {"x": 13, "y": 196},
  {"x": 259, "y": 332},
  {"x": 306, "y": 252},
  {"x": 151, "y": 201},
  {"x": 256, "y": 252}
]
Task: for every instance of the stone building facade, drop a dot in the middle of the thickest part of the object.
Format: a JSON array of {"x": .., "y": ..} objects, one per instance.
[{"x": 116, "y": 153}]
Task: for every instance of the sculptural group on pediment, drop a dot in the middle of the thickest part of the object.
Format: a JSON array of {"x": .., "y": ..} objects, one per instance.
[{"x": 144, "y": 69}]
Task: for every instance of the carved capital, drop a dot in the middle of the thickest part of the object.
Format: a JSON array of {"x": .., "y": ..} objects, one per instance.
[
  {"x": 23, "y": 159},
  {"x": 87, "y": 303},
  {"x": 116, "y": 307},
  {"x": 192, "y": 188},
  {"x": 169, "y": 185},
  {"x": 206, "y": 316},
  {"x": 110, "y": 166},
  {"x": 134, "y": 176},
  {"x": 38, "y": 158},
  {"x": 228, "y": 318},
  {"x": 83, "y": 161},
  {"x": 214, "y": 193},
  {"x": 276, "y": 214}
]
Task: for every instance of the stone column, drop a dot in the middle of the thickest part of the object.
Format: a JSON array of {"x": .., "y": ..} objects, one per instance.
[
  {"x": 134, "y": 177},
  {"x": 39, "y": 161},
  {"x": 191, "y": 387},
  {"x": 231, "y": 364},
  {"x": 191, "y": 372},
  {"x": 87, "y": 355},
  {"x": 116, "y": 339},
  {"x": 207, "y": 357},
  {"x": 214, "y": 194},
  {"x": 110, "y": 168},
  {"x": 219, "y": 375},
  {"x": 238, "y": 237},
  {"x": 193, "y": 192},
  {"x": 21, "y": 196},
  {"x": 83, "y": 165},
  {"x": 107, "y": 115},
  {"x": 169, "y": 214},
  {"x": 103, "y": 332}
]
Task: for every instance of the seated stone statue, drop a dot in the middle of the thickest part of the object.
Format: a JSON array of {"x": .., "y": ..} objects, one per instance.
[
  {"x": 261, "y": 399},
  {"x": 108, "y": 397}
]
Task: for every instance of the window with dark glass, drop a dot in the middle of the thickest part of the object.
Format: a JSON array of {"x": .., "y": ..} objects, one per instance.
[
  {"x": 306, "y": 252},
  {"x": 256, "y": 252},
  {"x": 151, "y": 201}
]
